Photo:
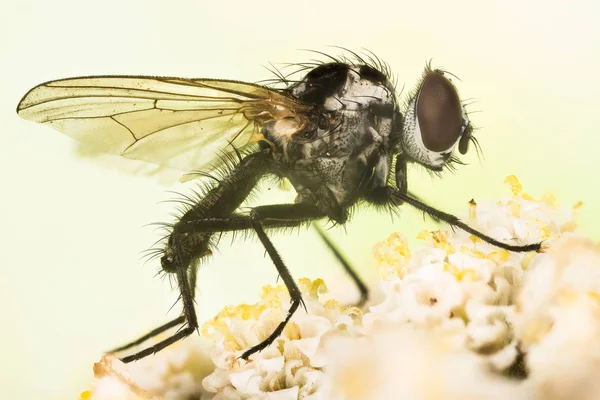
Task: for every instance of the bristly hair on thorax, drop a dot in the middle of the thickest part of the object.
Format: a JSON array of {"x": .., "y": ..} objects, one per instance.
[{"x": 292, "y": 71}]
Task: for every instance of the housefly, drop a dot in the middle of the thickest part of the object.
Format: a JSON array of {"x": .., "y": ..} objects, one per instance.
[{"x": 338, "y": 134}]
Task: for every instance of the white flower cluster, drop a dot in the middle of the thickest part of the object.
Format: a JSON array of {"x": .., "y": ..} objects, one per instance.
[
  {"x": 459, "y": 319},
  {"x": 292, "y": 367}
]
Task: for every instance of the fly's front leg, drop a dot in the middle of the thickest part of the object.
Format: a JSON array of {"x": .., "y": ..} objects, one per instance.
[
  {"x": 387, "y": 195},
  {"x": 401, "y": 174},
  {"x": 402, "y": 182}
]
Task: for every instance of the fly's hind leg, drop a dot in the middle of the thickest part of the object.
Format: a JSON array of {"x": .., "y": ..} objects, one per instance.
[
  {"x": 214, "y": 213},
  {"x": 184, "y": 249},
  {"x": 189, "y": 316},
  {"x": 165, "y": 327},
  {"x": 156, "y": 331}
]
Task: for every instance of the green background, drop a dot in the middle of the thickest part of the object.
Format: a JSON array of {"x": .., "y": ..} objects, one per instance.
[{"x": 72, "y": 282}]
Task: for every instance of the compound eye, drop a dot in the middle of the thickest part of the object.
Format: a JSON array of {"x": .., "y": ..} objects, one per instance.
[{"x": 439, "y": 112}]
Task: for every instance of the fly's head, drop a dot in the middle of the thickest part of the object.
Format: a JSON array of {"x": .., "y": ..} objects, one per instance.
[{"x": 435, "y": 122}]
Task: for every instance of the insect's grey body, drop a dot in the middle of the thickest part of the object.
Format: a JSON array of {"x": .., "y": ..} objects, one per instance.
[{"x": 335, "y": 135}]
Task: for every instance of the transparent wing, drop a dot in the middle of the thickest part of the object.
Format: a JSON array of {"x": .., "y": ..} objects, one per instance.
[{"x": 174, "y": 122}]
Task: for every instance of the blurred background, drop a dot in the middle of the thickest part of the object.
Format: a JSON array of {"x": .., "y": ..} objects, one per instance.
[{"x": 73, "y": 283}]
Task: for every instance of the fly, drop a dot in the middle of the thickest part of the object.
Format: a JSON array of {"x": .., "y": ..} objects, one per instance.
[{"x": 339, "y": 135}]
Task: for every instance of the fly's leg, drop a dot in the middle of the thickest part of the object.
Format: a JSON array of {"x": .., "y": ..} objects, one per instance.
[
  {"x": 455, "y": 221},
  {"x": 157, "y": 331},
  {"x": 259, "y": 218},
  {"x": 362, "y": 288},
  {"x": 389, "y": 195},
  {"x": 284, "y": 273},
  {"x": 402, "y": 182},
  {"x": 401, "y": 174},
  {"x": 189, "y": 315},
  {"x": 163, "y": 328}
]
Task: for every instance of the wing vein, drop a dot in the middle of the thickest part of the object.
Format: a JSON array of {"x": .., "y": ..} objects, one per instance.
[
  {"x": 126, "y": 127},
  {"x": 194, "y": 83},
  {"x": 190, "y": 96},
  {"x": 197, "y": 98}
]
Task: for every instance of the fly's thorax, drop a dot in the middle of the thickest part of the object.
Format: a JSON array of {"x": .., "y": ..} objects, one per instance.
[
  {"x": 344, "y": 145},
  {"x": 354, "y": 108}
]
